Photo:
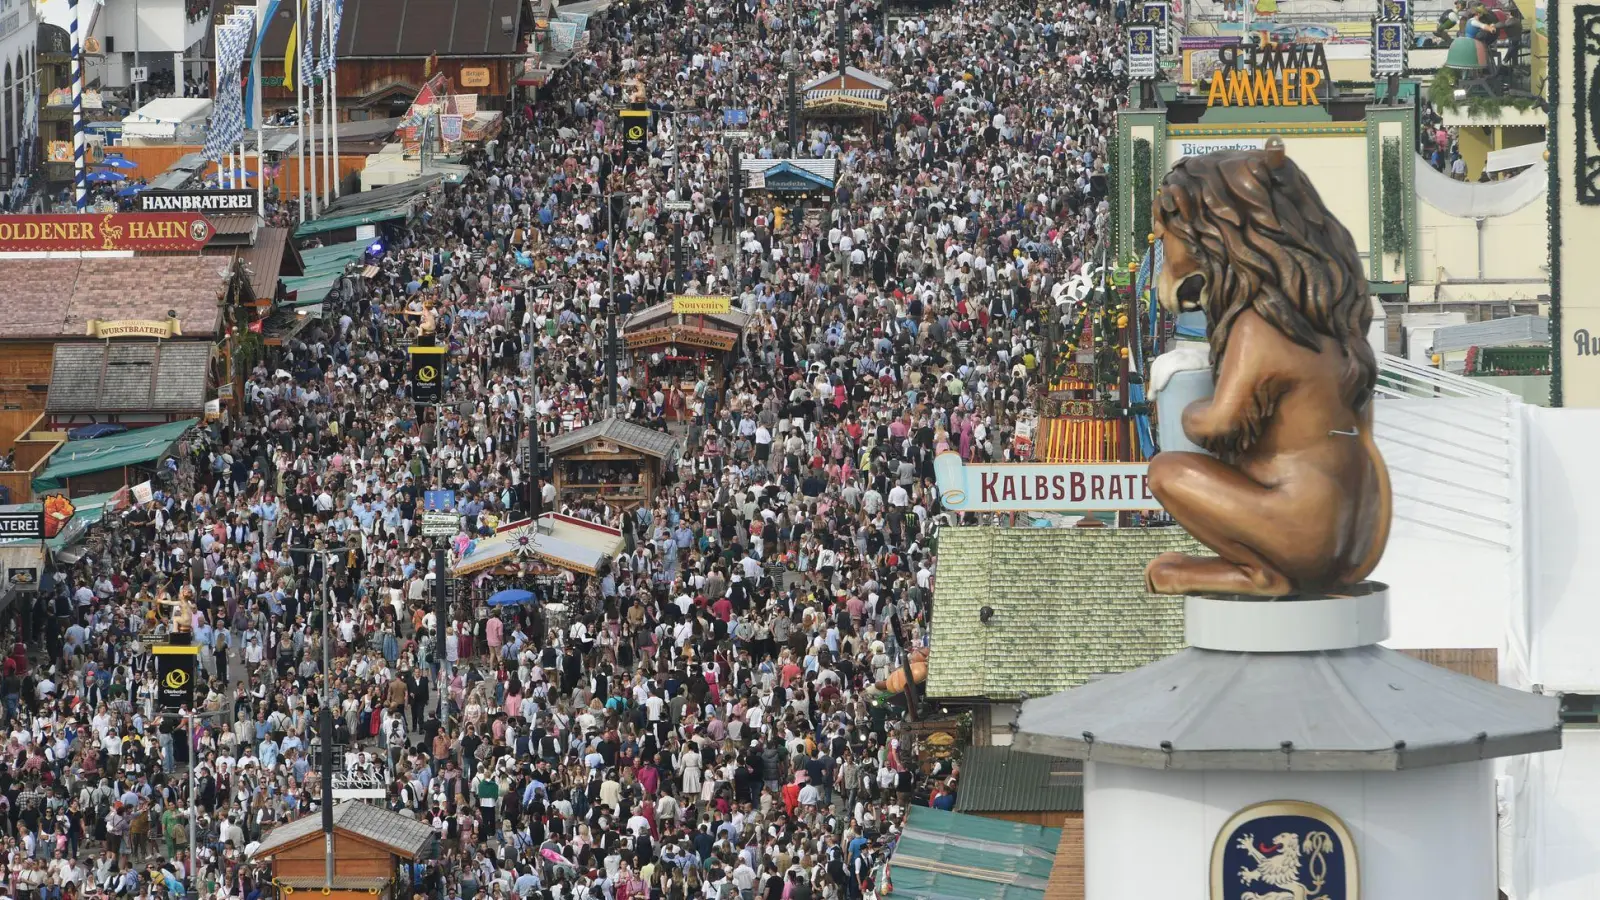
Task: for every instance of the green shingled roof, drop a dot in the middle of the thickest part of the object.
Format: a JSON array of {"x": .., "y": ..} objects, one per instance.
[
  {"x": 1002, "y": 780},
  {"x": 955, "y": 857},
  {"x": 1069, "y": 606}
]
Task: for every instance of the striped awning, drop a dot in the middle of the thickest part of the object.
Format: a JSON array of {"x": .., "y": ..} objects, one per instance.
[
  {"x": 1082, "y": 440},
  {"x": 870, "y": 99}
]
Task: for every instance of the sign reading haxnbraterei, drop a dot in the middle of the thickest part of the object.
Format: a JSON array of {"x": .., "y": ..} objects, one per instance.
[{"x": 235, "y": 202}]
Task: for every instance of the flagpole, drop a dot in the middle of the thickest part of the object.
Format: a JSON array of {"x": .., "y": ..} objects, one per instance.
[
  {"x": 299, "y": 108},
  {"x": 333, "y": 86},
  {"x": 327, "y": 103},
  {"x": 307, "y": 63},
  {"x": 80, "y": 185},
  {"x": 258, "y": 108}
]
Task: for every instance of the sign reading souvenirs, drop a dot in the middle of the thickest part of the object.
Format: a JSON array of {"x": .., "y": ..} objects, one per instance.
[
  {"x": 1388, "y": 48},
  {"x": 26, "y": 524},
  {"x": 1014, "y": 487},
  {"x": 635, "y": 124},
  {"x": 427, "y": 374},
  {"x": 1280, "y": 75},
  {"x": 689, "y": 305},
  {"x": 1142, "y": 51},
  {"x": 104, "y": 231},
  {"x": 239, "y": 202},
  {"x": 117, "y": 328},
  {"x": 1284, "y": 848},
  {"x": 175, "y": 671}
]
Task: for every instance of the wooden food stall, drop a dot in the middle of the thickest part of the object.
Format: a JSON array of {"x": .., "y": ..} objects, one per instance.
[
  {"x": 676, "y": 343},
  {"x": 369, "y": 843},
  {"x": 614, "y": 461}
]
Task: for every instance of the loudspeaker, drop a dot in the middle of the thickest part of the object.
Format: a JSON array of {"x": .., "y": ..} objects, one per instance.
[{"x": 111, "y": 44}]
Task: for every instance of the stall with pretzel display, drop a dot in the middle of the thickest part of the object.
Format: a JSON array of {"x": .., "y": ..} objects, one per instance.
[{"x": 683, "y": 343}]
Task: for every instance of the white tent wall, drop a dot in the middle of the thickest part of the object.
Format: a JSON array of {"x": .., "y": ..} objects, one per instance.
[{"x": 1449, "y": 561}]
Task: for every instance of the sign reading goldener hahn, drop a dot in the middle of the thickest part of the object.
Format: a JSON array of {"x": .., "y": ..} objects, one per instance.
[
  {"x": 235, "y": 202},
  {"x": 104, "y": 231},
  {"x": 1042, "y": 487}
]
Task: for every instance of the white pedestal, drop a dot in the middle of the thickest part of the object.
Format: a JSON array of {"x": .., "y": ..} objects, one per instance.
[{"x": 1419, "y": 833}]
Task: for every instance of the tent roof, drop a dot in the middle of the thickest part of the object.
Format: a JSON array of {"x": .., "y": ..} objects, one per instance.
[
  {"x": 130, "y": 448},
  {"x": 1364, "y": 709},
  {"x": 338, "y": 222},
  {"x": 1069, "y": 604},
  {"x": 561, "y": 541},
  {"x": 406, "y": 837},
  {"x": 659, "y": 444},
  {"x": 832, "y": 78},
  {"x": 148, "y": 376},
  {"x": 1002, "y": 779},
  {"x": 171, "y": 111},
  {"x": 951, "y": 856}
]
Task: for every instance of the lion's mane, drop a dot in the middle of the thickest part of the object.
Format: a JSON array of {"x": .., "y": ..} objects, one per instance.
[{"x": 1265, "y": 241}]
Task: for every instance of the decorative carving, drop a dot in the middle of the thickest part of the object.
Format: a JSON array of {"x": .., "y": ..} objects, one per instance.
[
  {"x": 1296, "y": 497},
  {"x": 1586, "y": 101}
]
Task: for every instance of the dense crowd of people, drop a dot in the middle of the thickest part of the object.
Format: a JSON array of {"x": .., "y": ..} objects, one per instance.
[{"x": 700, "y": 719}]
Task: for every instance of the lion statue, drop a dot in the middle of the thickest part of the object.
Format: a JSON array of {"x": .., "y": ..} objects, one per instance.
[{"x": 1296, "y": 497}]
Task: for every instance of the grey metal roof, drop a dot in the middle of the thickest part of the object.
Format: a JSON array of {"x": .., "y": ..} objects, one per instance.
[
  {"x": 1364, "y": 709},
  {"x": 635, "y": 437},
  {"x": 1003, "y": 779},
  {"x": 406, "y": 837},
  {"x": 1511, "y": 331},
  {"x": 129, "y": 377},
  {"x": 381, "y": 197}
]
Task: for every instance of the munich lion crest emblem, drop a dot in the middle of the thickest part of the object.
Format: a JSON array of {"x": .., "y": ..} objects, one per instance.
[{"x": 1284, "y": 850}]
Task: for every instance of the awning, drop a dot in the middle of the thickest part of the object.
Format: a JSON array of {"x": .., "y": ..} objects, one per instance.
[
  {"x": 1515, "y": 157},
  {"x": 130, "y": 449},
  {"x": 309, "y": 290},
  {"x": 335, "y": 223}
]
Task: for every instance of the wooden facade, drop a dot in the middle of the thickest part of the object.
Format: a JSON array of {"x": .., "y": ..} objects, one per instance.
[
  {"x": 25, "y": 376},
  {"x": 369, "y": 844},
  {"x": 612, "y": 461},
  {"x": 383, "y": 88}
]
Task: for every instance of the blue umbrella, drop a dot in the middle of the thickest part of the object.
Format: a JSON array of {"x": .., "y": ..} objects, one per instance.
[
  {"x": 131, "y": 190},
  {"x": 511, "y": 597},
  {"x": 103, "y": 177},
  {"x": 236, "y": 175},
  {"x": 118, "y": 162}
]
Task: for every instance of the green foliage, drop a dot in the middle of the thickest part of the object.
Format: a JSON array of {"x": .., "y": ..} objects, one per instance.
[
  {"x": 1442, "y": 94},
  {"x": 1141, "y": 194},
  {"x": 1394, "y": 237}
]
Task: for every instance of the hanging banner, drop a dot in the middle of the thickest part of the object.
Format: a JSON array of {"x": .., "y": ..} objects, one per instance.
[
  {"x": 1043, "y": 487},
  {"x": 450, "y": 128},
  {"x": 1142, "y": 51},
  {"x": 1159, "y": 14},
  {"x": 175, "y": 675},
  {"x": 635, "y": 127},
  {"x": 427, "y": 374},
  {"x": 1388, "y": 48}
]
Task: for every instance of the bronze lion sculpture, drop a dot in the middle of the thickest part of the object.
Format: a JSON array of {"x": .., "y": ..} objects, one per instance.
[{"x": 1296, "y": 497}]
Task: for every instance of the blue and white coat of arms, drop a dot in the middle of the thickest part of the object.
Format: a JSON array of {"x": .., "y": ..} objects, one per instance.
[{"x": 1284, "y": 850}]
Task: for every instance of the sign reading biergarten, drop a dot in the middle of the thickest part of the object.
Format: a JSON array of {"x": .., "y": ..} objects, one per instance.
[
  {"x": 1042, "y": 487},
  {"x": 104, "y": 231}
]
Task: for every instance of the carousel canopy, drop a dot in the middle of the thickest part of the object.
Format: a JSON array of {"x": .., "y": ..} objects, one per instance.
[{"x": 561, "y": 541}]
